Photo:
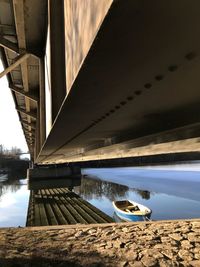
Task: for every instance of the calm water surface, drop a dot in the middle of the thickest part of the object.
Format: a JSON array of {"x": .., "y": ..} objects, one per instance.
[
  {"x": 14, "y": 198},
  {"x": 172, "y": 192}
]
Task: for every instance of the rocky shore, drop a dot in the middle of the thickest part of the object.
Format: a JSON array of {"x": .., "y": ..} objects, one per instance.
[{"x": 146, "y": 244}]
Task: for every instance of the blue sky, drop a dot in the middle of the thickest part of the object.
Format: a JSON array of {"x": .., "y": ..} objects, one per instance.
[{"x": 11, "y": 133}]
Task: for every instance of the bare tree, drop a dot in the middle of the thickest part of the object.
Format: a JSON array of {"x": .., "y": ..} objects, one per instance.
[{"x": 14, "y": 152}]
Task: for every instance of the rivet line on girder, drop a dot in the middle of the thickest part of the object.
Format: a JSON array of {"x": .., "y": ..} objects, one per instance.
[
  {"x": 171, "y": 68},
  {"x": 148, "y": 85}
]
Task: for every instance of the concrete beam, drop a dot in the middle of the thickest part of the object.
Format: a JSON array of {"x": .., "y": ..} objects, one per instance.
[
  {"x": 6, "y": 44},
  {"x": 30, "y": 137},
  {"x": 53, "y": 172},
  {"x": 30, "y": 131},
  {"x": 17, "y": 90},
  {"x": 57, "y": 46},
  {"x": 9, "y": 45},
  {"x": 7, "y": 27},
  {"x": 42, "y": 110},
  {"x": 28, "y": 113},
  {"x": 19, "y": 14},
  {"x": 69, "y": 182},
  {"x": 32, "y": 125},
  {"x": 29, "y": 140},
  {"x": 18, "y": 60}
]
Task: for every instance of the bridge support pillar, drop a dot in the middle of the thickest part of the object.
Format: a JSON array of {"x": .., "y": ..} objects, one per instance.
[{"x": 51, "y": 172}]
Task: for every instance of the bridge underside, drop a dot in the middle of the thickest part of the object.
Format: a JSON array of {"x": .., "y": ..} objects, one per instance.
[{"x": 135, "y": 89}]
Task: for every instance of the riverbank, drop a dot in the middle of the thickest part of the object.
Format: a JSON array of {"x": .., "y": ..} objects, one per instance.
[{"x": 161, "y": 243}]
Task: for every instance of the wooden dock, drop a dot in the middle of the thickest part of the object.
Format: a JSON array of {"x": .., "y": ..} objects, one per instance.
[{"x": 61, "y": 206}]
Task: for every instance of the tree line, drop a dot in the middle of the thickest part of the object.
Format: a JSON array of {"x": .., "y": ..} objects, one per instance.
[
  {"x": 11, "y": 163},
  {"x": 14, "y": 152}
]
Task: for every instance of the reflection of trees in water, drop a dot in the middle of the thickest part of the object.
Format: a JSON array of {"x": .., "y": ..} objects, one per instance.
[
  {"x": 95, "y": 188},
  {"x": 143, "y": 193},
  {"x": 9, "y": 186}
]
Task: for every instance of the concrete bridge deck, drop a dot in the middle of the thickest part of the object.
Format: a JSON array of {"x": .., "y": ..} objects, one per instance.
[{"x": 61, "y": 206}]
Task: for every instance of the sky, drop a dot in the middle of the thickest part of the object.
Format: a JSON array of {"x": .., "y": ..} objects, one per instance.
[{"x": 11, "y": 134}]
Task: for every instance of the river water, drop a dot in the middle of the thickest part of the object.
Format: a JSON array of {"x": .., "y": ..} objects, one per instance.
[{"x": 172, "y": 192}]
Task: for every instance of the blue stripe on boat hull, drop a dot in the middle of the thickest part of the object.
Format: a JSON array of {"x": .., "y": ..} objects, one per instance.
[{"x": 131, "y": 217}]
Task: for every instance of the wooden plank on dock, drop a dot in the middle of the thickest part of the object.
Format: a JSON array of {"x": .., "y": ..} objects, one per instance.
[
  {"x": 30, "y": 213},
  {"x": 37, "y": 219},
  {"x": 62, "y": 206},
  {"x": 96, "y": 212}
]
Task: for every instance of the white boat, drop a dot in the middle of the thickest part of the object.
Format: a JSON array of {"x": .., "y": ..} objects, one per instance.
[{"x": 131, "y": 211}]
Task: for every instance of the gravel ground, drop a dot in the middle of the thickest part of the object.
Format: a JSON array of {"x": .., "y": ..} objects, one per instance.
[{"x": 164, "y": 243}]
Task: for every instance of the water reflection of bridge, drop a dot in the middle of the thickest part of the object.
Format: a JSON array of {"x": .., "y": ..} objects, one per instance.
[
  {"x": 55, "y": 206},
  {"x": 52, "y": 201}
]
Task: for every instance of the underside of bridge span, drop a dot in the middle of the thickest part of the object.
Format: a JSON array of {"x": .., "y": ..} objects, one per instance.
[{"x": 103, "y": 79}]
